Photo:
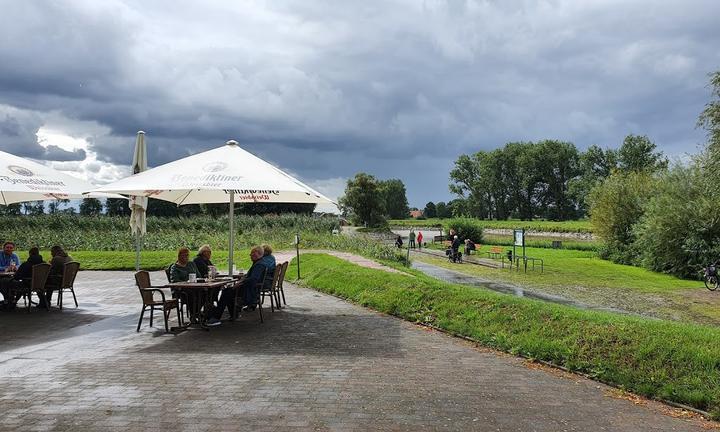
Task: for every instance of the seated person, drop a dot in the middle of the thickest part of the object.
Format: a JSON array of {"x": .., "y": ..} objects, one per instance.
[
  {"x": 469, "y": 246},
  {"x": 202, "y": 261},
  {"x": 21, "y": 279},
  {"x": 247, "y": 287},
  {"x": 268, "y": 259},
  {"x": 57, "y": 268},
  {"x": 8, "y": 259},
  {"x": 398, "y": 242},
  {"x": 180, "y": 272},
  {"x": 181, "y": 269}
]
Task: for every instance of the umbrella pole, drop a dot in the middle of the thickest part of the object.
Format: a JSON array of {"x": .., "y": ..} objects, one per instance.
[
  {"x": 232, "y": 232},
  {"x": 137, "y": 252}
]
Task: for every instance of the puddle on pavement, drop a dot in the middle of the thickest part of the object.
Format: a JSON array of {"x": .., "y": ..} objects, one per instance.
[{"x": 463, "y": 279}]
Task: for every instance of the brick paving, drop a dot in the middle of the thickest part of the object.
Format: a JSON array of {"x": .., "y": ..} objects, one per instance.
[{"x": 319, "y": 364}]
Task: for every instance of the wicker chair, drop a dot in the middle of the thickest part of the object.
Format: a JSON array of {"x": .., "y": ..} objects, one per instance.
[
  {"x": 40, "y": 274},
  {"x": 70, "y": 270},
  {"x": 147, "y": 292},
  {"x": 239, "y": 300},
  {"x": 267, "y": 289},
  {"x": 279, "y": 291}
]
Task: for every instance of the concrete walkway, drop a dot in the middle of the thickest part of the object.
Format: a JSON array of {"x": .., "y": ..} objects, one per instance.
[{"x": 319, "y": 364}]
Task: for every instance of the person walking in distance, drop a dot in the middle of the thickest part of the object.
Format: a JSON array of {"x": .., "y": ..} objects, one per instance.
[
  {"x": 411, "y": 239},
  {"x": 419, "y": 239}
]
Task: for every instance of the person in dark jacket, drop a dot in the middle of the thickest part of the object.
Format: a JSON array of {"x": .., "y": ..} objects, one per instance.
[
  {"x": 455, "y": 248},
  {"x": 21, "y": 279},
  {"x": 57, "y": 267},
  {"x": 202, "y": 261},
  {"x": 247, "y": 288}
]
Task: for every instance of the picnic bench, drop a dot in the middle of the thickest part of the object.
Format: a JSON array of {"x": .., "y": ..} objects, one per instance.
[{"x": 495, "y": 252}]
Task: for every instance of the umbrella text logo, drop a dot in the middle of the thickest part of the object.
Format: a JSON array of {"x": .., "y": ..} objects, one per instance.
[
  {"x": 215, "y": 167},
  {"x": 21, "y": 171}
]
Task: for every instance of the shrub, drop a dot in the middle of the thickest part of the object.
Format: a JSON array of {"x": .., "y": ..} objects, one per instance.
[
  {"x": 616, "y": 205},
  {"x": 466, "y": 229}
]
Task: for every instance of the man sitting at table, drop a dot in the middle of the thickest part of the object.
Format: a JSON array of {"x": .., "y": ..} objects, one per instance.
[
  {"x": 202, "y": 261},
  {"x": 21, "y": 279},
  {"x": 247, "y": 287},
  {"x": 8, "y": 258}
]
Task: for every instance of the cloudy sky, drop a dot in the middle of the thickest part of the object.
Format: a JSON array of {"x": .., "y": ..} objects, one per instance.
[{"x": 326, "y": 89}]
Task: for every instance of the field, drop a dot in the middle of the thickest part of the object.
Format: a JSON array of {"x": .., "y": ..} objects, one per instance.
[
  {"x": 662, "y": 359},
  {"x": 579, "y": 226}
]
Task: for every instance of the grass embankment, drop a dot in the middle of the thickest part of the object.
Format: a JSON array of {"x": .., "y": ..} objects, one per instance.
[
  {"x": 578, "y": 226},
  {"x": 668, "y": 360},
  {"x": 542, "y": 242}
]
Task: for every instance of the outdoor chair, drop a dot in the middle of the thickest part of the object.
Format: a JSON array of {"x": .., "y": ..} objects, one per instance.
[
  {"x": 147, "y": 292},
  {"x": 40, "y": 274},
  {"x": 239, "y": 299},
  {"x": 268, "y": 289},
  {"x": 67, "y": 282},
  {"x": 279, "y": 291},
  {"x": 182, "y": 297}
]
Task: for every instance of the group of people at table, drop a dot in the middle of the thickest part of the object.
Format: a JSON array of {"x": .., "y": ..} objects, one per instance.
[
  {"x": 19, "y": 274},
  {"x": 263, "y": 263}
]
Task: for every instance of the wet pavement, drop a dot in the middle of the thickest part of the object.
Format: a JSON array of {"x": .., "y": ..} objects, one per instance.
[{"x": 319, "y": 364}]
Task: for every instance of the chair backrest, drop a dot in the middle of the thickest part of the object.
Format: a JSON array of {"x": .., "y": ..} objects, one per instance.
[
  {"x": 275, "y": 278},
  {"x": 283, "y": 269},
  {"x": 167, "y": 272},
  {"x": 142, "y": 280},
  {"x": 40, "y": 274},
  {"x": 70, "y": 271}
]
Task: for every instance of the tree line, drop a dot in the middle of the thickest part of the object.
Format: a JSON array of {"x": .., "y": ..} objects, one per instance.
[{"x": 547, "y": 179}]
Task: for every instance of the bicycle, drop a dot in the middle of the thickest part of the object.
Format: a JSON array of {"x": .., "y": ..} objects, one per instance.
[{"x": 711, "y": 279}]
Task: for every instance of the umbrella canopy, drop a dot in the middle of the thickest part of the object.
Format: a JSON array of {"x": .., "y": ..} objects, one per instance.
[
  {"x": 24, "y": 180},
  {"x": 138, "y": 204},
  {"x": 227, "y": 174},
  {"x": 213, "y": 176}
]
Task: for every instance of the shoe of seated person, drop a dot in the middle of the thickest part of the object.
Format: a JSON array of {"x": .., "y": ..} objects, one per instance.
[{"x": 213, "y": 322}]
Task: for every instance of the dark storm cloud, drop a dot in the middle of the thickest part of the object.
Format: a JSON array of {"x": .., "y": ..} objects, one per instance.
[{"x": 327, "y": 89}]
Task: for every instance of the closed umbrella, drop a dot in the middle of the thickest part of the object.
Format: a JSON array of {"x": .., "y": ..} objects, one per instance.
[
  {"x": 227, "y": 174},
  {"x": 138, "y": 204}
]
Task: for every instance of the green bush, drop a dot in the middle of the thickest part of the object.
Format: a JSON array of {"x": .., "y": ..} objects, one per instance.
[
  {"x": 616, "y": 205},
  {"x": 466, "y": 229},
  {"x": 680, "y": 231}
]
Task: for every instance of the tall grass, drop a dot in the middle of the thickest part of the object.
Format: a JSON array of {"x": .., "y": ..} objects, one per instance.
[{"x": 576, "y": 226}]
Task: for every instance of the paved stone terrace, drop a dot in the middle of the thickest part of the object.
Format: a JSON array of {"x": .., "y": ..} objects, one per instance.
[{"x": 319, "y": 364}]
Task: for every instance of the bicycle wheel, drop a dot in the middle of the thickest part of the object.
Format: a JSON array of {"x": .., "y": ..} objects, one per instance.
[{"x": 711, "y": 283}]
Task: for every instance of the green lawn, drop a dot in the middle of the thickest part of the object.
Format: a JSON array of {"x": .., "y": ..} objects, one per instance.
[
  {"x": 575, "y": 267},
  {"x": 669, "y": 360},
  {"x": 537, "y": 225}
]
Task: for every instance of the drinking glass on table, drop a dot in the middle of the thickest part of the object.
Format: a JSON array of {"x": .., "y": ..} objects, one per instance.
[{"x": 192, "y": 277}]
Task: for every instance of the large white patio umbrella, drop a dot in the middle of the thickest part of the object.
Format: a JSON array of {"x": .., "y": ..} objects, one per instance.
[
  {"x": 227, "y": 174},
  {"x": 23, "y": 180},
  {"x": 138, "y": 204}
]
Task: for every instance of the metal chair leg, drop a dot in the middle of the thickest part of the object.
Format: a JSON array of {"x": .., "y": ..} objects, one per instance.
[
  {"x": 72, "y": 290},
  {"x": 141, "y": 317},
  {"x": 152, "y": 312}
]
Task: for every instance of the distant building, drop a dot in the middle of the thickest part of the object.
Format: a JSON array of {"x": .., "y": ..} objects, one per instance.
[{"x": 416, "y": 213}]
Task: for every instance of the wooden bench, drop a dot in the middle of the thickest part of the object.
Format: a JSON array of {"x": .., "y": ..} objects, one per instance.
[
  {"x": 438, "y": 238},
  {"x": 495, "y": 252}
]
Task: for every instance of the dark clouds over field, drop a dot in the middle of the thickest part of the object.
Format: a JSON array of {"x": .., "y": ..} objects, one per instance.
[{"x": 327, "y": 89}]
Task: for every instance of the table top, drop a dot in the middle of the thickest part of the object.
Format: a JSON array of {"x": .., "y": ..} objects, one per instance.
[
  {"x": 6, "y": 274},
  {"x": 216, "y": 283}
]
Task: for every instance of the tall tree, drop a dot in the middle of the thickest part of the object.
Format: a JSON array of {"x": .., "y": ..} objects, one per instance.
[
  {"x": 394, "y": 198},
  {"x": 430, "y": 210},
  {"x": 33, "y": 207},
  {"x": 559, "y": 166},
  {"x": 638, "y": 154},
  {"x": 117, "y": 207},
  {"x": 363, "y": 201},
  {"x": 443, "y": 210},
  {"x": 596, "y": 165},
  {"x": 710, "y": 120},
  {"x": 91, "y": 207}
]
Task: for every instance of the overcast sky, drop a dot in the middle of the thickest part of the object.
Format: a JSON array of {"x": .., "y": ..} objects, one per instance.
[{"x": 326, "y": 89}]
